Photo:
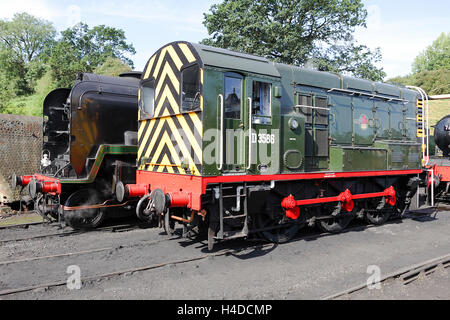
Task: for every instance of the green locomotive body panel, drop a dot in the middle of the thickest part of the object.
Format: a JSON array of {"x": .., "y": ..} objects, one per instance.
[{"x": 257, "y": 117}]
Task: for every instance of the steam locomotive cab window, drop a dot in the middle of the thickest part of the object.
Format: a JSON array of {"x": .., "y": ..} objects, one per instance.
[
  {"x": 262, "y": 101},
  {"x": 147, "y": 100},
  {"x": 190, "y": 88},
  {"x": 233, "y": 96}
]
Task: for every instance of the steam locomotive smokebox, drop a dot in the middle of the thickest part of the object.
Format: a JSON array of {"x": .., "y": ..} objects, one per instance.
[{"x": 442, "y": 135}]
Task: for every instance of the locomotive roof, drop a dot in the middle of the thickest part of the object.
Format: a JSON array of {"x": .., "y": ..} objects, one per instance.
[
  {"x": 329, "y": 81},
  {"x": 122, "y": 80},
  {"x": 223, "y": 58}
]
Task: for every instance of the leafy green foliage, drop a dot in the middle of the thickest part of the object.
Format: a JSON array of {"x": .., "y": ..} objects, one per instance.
[
  {"x": 82, "y": 49},
  {"x": 295, "y": 32},
  {"x": 64, "y": 64},
  {"x": 353, "y": 59},
  {"x": 33, "y": 62},
  {"x": 6, "y": 90},
  {"x": 434, "y": 82},
  {"x": 112, "y": 67},
  {"x": 435, "y": 57},
  {"x": 23, "y": 41},
  {"x": 431, "y": 68}
]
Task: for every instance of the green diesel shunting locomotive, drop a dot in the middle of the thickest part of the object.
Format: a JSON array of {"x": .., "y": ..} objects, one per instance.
[{"x": 247, "y": 145}]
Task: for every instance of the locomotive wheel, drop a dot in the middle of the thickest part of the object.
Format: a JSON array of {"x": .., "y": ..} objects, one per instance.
[
  {"x": 211, "y": 239},
  {"x": 86, "y": 218},
  {"x": 337, "y": 224},
  {"x": 340, "y": 220},
  {"x": 40, "y": 207},
  {"x": 169, "y": 225},
  {"x": 377, "y": 217},
  {"x": 285, "y": 232},
  {"x": 380, "y": 214}
]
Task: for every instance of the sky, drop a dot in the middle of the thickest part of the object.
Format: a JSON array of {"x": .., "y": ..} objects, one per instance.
[{"x": 402, "y": 29}]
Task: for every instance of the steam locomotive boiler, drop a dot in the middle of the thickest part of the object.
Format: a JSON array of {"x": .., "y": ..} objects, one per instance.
[
  {"x": 237, "y": 144},
  {"x": 89, "y": 144},
  {"x": 439, "y": 165}
]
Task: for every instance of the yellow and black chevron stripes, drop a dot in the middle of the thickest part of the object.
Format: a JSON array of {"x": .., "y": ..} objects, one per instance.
[{"x": 171, "y": 142}]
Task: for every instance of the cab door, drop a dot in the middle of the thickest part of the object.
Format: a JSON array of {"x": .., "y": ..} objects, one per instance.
[
  {"x": 262, "y": 138},
  {"x": 232, "y": 130}
]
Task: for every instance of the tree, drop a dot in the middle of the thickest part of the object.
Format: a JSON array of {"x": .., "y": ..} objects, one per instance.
[
  {"x": 435, "y": 57},
  {"x": 6, "y": 91},
  {"x": 23, "y": 40},
  {"x": 431, "y": 68},
  {"x": 294, "y": 32},
  {"x": 354, "y": 59},
  {"x": 83, "y": 50},
  {"x": 113, "y": 67}
]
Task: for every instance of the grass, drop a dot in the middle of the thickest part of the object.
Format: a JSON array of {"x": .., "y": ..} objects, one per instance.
[
  {"x": 438, "y": 109},
  {"x": 21, "y": 219}
]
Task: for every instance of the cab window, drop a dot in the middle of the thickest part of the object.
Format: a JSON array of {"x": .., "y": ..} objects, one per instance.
[
  {"x": 147, "y": 99},
  {"x": 233, "y": 97},
  {"x": 262, "y": 101},
  {"x": 190, "y": 89}
]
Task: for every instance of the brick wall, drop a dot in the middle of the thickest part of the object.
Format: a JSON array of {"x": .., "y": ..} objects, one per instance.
[{"x": 20, "y": 150}]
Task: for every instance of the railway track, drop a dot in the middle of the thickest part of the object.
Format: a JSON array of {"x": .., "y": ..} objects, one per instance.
[
  {"x": 148, "y": 243},
  {"x": 117, "y": 273},
  {"x": 313, "y": 234},
  {"x": 114, "y": 228},
  {"x": 406, "y": 275},
  {"x": 237, "y": 246}
]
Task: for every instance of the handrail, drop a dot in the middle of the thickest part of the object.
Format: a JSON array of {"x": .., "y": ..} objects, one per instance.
[
  {"x": 250, "y": 119},
  {"x": 368, "y": 94},
  {"x": 425, "y": 125},
  {"x": 221, "y": 133},
  {"x": 310, "y": 107}
]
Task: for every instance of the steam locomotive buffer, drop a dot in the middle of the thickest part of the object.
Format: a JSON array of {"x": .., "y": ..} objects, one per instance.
[
  {"x": 89, "y": 145},
  {"x": 235, "y": 144}
]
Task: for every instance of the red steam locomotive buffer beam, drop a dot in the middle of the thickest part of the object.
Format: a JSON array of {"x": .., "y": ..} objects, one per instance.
[{"x": 346, "y": 199}]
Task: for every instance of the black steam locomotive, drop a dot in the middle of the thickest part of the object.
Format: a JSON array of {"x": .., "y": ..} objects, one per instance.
[{"x": 89, "y": 143}]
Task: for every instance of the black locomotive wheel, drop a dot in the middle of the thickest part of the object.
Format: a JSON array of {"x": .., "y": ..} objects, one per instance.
[
  {"x": 339, "y": 220},
  {"x": 378, "y": 217},
  {"x": 336, "y": 224},
  {"x": 378, "y": 212},
  {"x": 86, "y": 218},
  {"x": 169, "y": 225},
  {"x": 281, "y": 230},
  {"x": 41, "y": 206},
  {"x": 211, "y": 237}
]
